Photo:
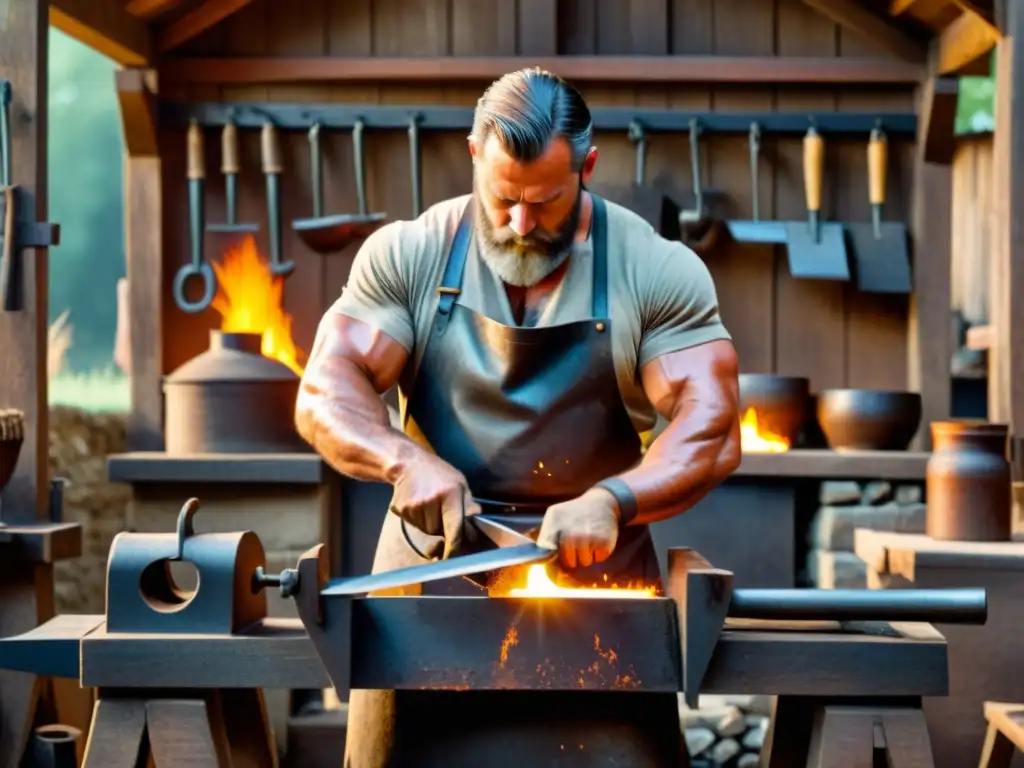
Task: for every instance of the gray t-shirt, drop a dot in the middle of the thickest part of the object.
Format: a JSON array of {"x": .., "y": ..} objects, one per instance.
[{"x": 661, "y": 296}]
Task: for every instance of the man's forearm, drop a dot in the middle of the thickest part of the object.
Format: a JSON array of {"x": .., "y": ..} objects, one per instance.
[
  {"x": 341, "y": 415},
  {"x": 698, "y": 449}
]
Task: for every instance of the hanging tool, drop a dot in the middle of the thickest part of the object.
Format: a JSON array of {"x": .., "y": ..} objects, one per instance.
[
  {"x": 414, "y": 165},
  {"x": 817, "y": 250},
  {"x": 197, "y": 267},
  {"x": 698, "y": 230},
  {"x": 229, "y": 167},
  {"x": 880, "y": 254},
  {"x": 651, "y": 204},
  {"x": 270, "y": 149},
  {"x": 755, "y": 230},
  {"x": 15, "y": 234},
  {"x": 330, "y": 234}
]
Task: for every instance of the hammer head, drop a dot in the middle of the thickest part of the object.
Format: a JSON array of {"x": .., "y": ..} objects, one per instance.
[{"x": 702, "y": 594}]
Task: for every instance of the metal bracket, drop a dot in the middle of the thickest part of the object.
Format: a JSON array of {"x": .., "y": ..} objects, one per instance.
[
  {"x": 16, "y": 234},
  {"x": 431, "y": 118}
]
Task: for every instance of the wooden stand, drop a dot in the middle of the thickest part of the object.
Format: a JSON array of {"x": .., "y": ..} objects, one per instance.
[
  {"x": 983, "y": 661},
  {"x": 820, "y": 731},
  {"x": 212, "y": 729},
  {"x": 1004, "y": 736}
]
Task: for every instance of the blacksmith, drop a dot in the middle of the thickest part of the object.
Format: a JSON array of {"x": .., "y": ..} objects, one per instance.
[{"x": 535, "y": 332}]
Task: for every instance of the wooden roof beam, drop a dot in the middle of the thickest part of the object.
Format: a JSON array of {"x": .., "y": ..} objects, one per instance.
[
  {"x": 936, "y": 119},
  {"x": 964, "y": 47},
  {"x": 151, "y": 9},
  {"x": 105, "y": 26},
  {"x": 136, "y": 96},
  {"x": 850, "y": 15},
  {"x": 197, "y": 21}
]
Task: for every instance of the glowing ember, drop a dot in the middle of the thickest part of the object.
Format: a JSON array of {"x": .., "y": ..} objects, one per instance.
[
  {"x": 249, "y": 300},
  {"x": 756, "y": 440},
  {"x": 539, "y": 584}
]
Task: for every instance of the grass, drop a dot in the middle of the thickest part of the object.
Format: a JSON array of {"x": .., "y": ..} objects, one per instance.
[{"x": 103, "y": 390}]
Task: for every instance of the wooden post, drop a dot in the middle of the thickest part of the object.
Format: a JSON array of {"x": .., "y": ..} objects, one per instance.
[
  {"x": 1006, "y": 355},
  {"x": 26, "y": 590},
  {"x": 930, "y": 338},
  {"x": 136, "y": 91}
]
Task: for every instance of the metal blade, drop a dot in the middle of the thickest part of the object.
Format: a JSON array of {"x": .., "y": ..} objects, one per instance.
[
  {"x": 500, "y": 534},
  {"x": 492, "y": 560}
]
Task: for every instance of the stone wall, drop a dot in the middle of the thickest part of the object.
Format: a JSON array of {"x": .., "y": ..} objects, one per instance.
[
  {"x": 846, "y": 506},
  {"x": 80, "y": 442},
  {"x": 725, "y": 731}
]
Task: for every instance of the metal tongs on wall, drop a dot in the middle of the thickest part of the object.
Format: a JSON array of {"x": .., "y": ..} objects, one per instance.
[{"x": 699, "y": 230}]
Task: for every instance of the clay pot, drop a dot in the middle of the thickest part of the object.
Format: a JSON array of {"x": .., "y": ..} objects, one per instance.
[
  {"x": 868, "y": 420},
  {"x": 781, "y": 402},
  {"x": 968, "y": 482}
]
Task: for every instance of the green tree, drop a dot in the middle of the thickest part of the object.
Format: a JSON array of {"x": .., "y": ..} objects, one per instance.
[{"x": 85, "y": 194}]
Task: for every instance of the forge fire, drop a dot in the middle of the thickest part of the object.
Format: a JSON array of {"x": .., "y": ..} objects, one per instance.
[
  {"x": 756, "y": 439},
  {"x": 249, "y": 300}
]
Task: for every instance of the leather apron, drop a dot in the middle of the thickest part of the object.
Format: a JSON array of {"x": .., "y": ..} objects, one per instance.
[{"x": 531, "y": 417}]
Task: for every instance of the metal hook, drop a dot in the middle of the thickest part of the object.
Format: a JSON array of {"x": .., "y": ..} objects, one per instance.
[
  {"x": 185, "y": 527},
  {"x": 638, "y": 136}
]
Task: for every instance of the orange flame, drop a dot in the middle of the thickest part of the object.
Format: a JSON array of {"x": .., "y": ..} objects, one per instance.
[
  {"x": 249, "y": 300},
  {"x": 539, "y": 584},
  {"x": 753, "y": 439}
]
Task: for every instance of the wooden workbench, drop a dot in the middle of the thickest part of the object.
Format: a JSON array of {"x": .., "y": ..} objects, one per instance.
[{"x": 984, "y": 662}]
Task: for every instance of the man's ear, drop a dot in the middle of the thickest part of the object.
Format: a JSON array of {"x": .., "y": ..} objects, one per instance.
[
  {"x": 588, "y": 165},
  {"x": 472, "y": 148}
]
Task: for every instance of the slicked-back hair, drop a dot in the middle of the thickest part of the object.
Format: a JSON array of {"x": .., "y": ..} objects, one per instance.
[{"x": 527, "y": 109}]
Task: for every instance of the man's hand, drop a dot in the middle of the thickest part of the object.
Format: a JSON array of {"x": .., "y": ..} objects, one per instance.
[
  {"x": 584, "y": 530},
  {"x": 434, "y": 497}
]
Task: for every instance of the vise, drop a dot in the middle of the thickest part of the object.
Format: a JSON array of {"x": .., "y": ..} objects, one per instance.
[{"x": 143, "y": 597}]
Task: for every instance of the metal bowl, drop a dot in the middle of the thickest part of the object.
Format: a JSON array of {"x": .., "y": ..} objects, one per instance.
[
  {"x": 868, "y": 420},
  {"x": 781, "y": 402}
]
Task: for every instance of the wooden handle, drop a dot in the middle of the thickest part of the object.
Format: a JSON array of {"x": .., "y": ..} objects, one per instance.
[
  {"x": 196, "y": 157},
  {"x": 229, "y": 149},
  {"x": 878, "y": 161},
  {"x": 814, "y": 166},
  {"x": 270, "y": 149}
]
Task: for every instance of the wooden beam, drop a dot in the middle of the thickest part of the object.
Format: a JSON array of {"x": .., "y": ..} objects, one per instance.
[
  {"x": 26, "y": 591},
  {"x": 105, "y": 26},
  {"x": 151, "y": 9},
  {"x": 1006, "y": 354},
  {"x": 579, "y": 69},
  {"x": 936, "y": 119},
  {"x": 197, "y": 21},
  {"x": 850, "y": 15},
  {"x": 143, "y": 217},
  {"x": 930, "y": 337},
  {"x": 965, "y": 45},
  {"x": 136, "y": 96}
]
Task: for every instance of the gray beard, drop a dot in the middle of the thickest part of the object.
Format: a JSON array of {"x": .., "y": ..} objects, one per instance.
[{"x": 517, "y": 269}]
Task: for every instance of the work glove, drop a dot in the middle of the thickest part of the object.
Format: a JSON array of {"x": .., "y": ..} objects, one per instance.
[
  {"x": 584, "y": 530},
  {"x": 434, "y": 497}
]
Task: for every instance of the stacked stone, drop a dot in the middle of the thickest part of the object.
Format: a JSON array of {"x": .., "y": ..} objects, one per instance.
[
  {"x": 726, "y": 731},
  {"x": 847, "y": 505}
]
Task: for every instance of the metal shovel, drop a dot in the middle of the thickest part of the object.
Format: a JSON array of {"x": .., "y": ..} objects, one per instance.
[
  {"x": 817, "y": 250},
  {"x": 881, "y": 257},
  {"x": 698, "y": 230},
  {"x": 756, "y": 231},
  {"x": 330, "y": 234},
  {"x": 229, "y": 167}
]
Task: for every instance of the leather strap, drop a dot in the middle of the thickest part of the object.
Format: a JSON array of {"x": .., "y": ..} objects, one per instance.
[
  {"x": 599, "y": 240},
  {"x": 624, "y": 496}
]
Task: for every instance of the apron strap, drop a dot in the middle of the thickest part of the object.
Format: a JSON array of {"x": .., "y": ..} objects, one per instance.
[
  {"x": 599, "y": 240},
  {"x": 451, "y": 282}
]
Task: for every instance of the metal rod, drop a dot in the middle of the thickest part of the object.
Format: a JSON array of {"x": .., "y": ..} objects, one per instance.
[
  {"x": 5, "y": 133},
  {"x": 345, "y": 116},
  {"x": 316, "y": 171},
  {"x": 412, "y": 123},
  {"x": 359, "y": 161},
  {"x": 940, "y": 606}
]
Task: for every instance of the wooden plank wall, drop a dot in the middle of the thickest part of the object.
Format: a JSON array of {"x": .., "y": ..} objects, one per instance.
[
  {"x": 972, "y": 228},
  {"x": 828, "y": 332}
]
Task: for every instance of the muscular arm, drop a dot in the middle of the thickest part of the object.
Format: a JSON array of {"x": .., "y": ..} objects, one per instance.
[
  {"x": 339, "y": 410},
  {"x": 696, "y": 389}
]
